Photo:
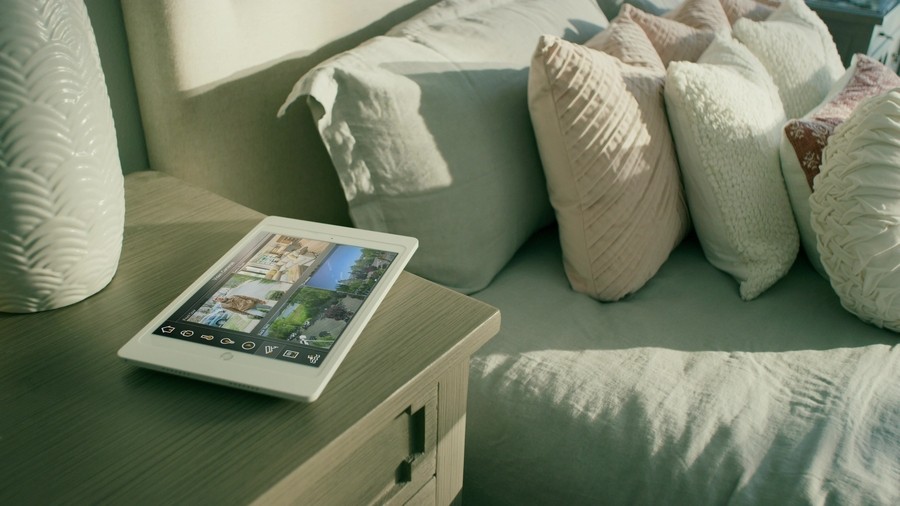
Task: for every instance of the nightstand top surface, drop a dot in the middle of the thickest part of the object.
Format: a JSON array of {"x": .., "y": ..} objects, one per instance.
[{"x": 80, "y": 425}]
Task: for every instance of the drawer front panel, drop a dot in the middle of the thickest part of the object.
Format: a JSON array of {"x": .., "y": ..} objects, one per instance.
[{"x": 391, "y": 466}]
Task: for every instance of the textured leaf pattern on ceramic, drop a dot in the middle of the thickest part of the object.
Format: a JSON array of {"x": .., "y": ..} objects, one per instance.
[{"x": 62, "y": 201}]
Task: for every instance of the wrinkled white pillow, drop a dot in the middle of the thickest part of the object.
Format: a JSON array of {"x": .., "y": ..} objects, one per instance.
[
  {"x": 797, "y": 50},
  {"x": 856, "y": 211},
  {"x": 428, "y": 129},
  {"x": 726, "y": 119}
]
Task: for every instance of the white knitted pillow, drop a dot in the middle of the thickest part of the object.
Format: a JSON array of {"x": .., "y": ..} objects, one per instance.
[
  {"x": 856, "y": 211},
  {"x": 796, "y": 48},
  {"x": 726, "y": 120}
]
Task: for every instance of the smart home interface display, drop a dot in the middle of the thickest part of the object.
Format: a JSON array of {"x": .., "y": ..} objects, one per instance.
[{"x": 282, "y": 297}]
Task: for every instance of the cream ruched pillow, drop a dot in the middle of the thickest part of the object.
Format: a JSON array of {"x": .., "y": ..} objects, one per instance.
[
  {"x": 856, "y": 211},
  {"x": 608, "y": 157},
  {"x": 726, "y": 119}
]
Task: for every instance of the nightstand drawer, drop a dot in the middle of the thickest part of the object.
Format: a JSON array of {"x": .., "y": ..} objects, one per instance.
[{"x": 391, "y": 466}]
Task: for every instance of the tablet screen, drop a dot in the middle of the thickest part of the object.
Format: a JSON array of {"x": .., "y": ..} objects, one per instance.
[{"x": 283, "y": 297}]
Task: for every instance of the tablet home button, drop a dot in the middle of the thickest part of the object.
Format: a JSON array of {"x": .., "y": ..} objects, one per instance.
[{"x": 226, "y": 356}]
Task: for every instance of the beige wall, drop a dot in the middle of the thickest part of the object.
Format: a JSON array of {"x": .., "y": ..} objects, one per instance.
[{"x": 344, "y": 31}]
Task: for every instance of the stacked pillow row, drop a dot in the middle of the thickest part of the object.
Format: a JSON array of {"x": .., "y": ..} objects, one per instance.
[
  {"x": 701, "y": 96},
  {"x": 430, "y": 136}
]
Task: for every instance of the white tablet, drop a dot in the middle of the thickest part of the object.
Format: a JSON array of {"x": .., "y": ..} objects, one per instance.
[{"x": 279, "y": 312}]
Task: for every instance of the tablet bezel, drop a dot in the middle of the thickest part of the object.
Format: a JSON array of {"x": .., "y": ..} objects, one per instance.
[{"x": 267, "y": 375}]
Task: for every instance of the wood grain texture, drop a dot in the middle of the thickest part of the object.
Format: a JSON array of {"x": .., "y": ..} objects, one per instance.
[
  {"x": 79, "y": 425},
  {"x": 452, "y": 433}
]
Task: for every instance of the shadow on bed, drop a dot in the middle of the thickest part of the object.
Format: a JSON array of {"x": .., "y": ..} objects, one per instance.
[{"x": 680, "y": 394}]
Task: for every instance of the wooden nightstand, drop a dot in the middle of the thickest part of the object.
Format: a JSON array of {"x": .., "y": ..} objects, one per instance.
[{"x": 79, "y": 425}]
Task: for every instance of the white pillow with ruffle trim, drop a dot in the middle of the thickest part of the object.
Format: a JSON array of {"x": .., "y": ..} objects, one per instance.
[{"x": 856, "y": 211}]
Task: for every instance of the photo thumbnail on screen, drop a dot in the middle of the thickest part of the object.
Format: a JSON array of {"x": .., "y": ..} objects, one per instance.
[
  {"x": 258, "y": 283},
  {"x": 321, "y": 307}
]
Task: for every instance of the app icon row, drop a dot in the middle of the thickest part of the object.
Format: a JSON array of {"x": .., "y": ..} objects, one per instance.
[
  {"x": 227, "y": 341},
  {"x": 248, "y": 345}
]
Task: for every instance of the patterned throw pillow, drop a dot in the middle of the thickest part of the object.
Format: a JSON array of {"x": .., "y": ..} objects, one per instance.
[
  {"x": 600, "y": 122},
  {"x": 808, "y": 136},
  {"x": 804, "y": 139}
]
